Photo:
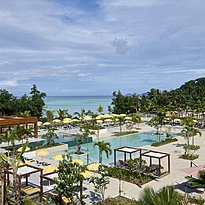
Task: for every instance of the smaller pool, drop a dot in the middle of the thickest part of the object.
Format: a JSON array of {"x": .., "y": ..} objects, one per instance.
[{"x": 135, "y": 140}]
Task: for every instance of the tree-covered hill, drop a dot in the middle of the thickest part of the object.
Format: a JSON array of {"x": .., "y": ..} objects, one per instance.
[{"x": 189, "y": 97}]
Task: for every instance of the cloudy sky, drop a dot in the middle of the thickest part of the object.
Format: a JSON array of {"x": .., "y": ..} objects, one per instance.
[{"x": 94, "y": 47}]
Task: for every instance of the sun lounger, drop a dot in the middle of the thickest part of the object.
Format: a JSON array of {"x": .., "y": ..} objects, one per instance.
[
  {"x": 28, "y": 190},
  {"x": 65, "y": 200}
]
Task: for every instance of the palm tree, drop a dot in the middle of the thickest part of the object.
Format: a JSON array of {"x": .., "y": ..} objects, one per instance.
[
  {"x": 189, "y": 132},
  {"x": 81, "y": 137},
  {"x": 199, "y": 181},
  {"x": 49, "y": 115},
  {"x": 62, "y": 114},
  {"x": 167, "y": 195},
  {"x": 136, "y": 118},
  {"x": 13, "y": 162},
  {"x": 103, "y": 147},
  {"x": 100, "y": 109},
  {"x": 50, "y": 136}
]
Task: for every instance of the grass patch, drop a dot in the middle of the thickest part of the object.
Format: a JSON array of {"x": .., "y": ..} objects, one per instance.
[
  {"x": 125, "y": 133},
  {"x": 191, "y": 147},
  {"x": 189, "y": 156},
  {"x": 163, "y": 142},
  {"x": 128, "y": 175}
]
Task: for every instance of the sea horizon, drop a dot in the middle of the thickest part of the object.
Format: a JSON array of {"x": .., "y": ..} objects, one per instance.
[{"x": 76, "y": 103}]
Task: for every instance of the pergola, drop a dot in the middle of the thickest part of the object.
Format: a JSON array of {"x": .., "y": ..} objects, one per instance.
[
  {"x": 24, "y": 172},
  {"x": 14, "y": 120},
  {"x": 51, "y": 177},
  {"x": 157, "y": 155},
  {"x": 126, "y": 150}
]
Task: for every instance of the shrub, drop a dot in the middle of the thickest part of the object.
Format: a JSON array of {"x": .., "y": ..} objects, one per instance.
[
  {"x": 189, "y": 156},
  {"x": 191, "y": 147},
  {"x": 163, "y": 142}
]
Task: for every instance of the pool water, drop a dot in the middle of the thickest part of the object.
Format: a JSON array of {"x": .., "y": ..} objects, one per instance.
[{"x": 135, "y": 140}]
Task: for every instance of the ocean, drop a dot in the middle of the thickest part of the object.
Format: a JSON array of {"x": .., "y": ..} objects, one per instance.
[{"x": 76, "y": 103}]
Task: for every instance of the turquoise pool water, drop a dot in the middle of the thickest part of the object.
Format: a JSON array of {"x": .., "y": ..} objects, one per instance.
[{"x": 135, "y": 140}]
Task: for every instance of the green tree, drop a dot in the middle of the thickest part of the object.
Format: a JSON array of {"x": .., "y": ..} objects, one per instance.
[
  {"x": 69, "y": 180},
  {"x": 157, "y": 122},
  {"x": 37, "y": 103},
  {"x": 50, "y": 136},
  {"x": 8, "y": 103},
  {"x": 49, "y": 115},
  {"x": 100, "y": 109},
  {"x": 100, "y": 182},
  {"x": 13, "y": 161},
  {"x": 81, "y": 137},
  {"x": 199, "y": 181},
  {"x": 190, "y": 132},
  {"x": 188, "y": 122},
  {"x": 166, "y": 196},
  {"x": 103, "y": 147},
  {"x": 62, "y": 114}
]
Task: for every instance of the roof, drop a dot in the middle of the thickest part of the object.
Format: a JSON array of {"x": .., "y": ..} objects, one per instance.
[
  {"x": 155, "y": 154},
  {"x": 25, "y": 170},
  {"x": 14, "y": 120},
  {"x": 127, "y": 149}
]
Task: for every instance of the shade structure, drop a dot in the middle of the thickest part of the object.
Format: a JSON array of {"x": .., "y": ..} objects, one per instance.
[
  {"x": 107, "y": 116},
  {"x": 42, "y": 153},
  {"x": 99, "y": 117},
  {"x": 99, "y": 121},
  {"x": 23, "y": 163},
  {"x": 26, "y": 150},
  {"x": 87, "y": 118},
  {"x": 93, "y": 167},
  {"x": 67, "y": 120},
  {"x": 56, "y": 121},
  {"x": 46, "y": 123},
  {"x": 122, "y": 115},
  {"x": 74, "y": 120},
  {"x": 86, "y": 174},
  {"x": 39, "y": 123},
  {"x": 49, "y": 168},
  {"x": 78, "y": 161},
  {"x": 194, "y": 170},
  {"x": 128, "y": 118},
  {"x": 108, "y": 120},
  {"x": 58, "y": 157}
]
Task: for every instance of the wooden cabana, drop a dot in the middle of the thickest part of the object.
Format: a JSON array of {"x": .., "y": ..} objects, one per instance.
[
  {"x": 51, "y": 177},
  {"x": 7, "y": 121},
  {"x": 126, "y": 150},
  {"x": 157, "y": 155},
  {"x": 25, "y": 171}
]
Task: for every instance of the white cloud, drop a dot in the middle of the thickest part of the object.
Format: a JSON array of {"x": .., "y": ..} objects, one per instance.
[
  {"x": 8, "y": 83},
  {"x": 44, "y": 41}
]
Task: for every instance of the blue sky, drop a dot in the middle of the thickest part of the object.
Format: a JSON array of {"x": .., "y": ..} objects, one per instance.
[{"x": 94, "y": 47}]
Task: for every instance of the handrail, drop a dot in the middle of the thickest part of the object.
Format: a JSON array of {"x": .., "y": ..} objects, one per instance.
[{"x": 192, "y": 163}]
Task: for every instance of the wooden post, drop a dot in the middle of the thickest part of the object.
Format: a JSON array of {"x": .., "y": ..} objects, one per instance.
[
  {"x": 130, "y": 155},
  {"x": 115, "y": 158},
  {"x": 35, "y": 130},
  {"x": 125, "y": 157},
  {"x": 41, "y": 185},
  {"x": 159, "y": 167},
  {"x": 169, "y": 163},
  {"x": 81, "y": 191}
]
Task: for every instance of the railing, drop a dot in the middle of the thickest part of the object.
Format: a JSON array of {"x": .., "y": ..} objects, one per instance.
[{"x": 192, "y": 163}]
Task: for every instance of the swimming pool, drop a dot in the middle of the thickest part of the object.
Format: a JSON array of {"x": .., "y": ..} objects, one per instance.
[{"x": 135, "y": 140}]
